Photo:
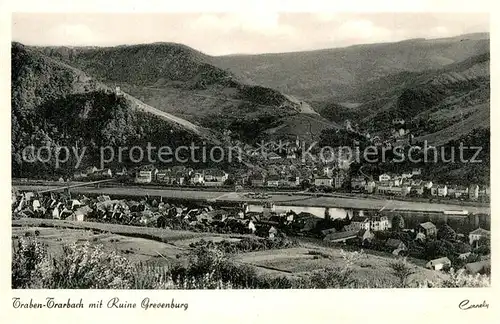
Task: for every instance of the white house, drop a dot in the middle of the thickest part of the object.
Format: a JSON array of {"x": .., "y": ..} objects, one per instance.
[
  {"x": 389, "y": 190},
  {"x": 90, "y": 170},
  {"x": 215, "y": 175},
  {"x": 339, "y": 179},
  {"x": 251, "y": 226},
  {"x": 358, "y": 182},
  {"x": 384, "y": 177},
  {"x": 442, "y": 190},
  {"x": 80, "y": 175},
  {"x": 197, "y": 178},
  {"x": 358, "y": 223},
  {"x": 406, "y": 175},
  {"x": 273, "y": 156},
  {"x": 438, "y": 264},
  {"x": 103, "y": 173},
  {"x": 164, "y": 176},
  {"x": 464, "y": 256},
  {"x": 146, "y": 174},
  {"x": 328, "y": 171},
  {"x": 473, "y": 192},
  {"x": 420, "y": 237},
  {"x": 370, "y": 186},
  {"x": 323, "y": 182},
  {"x": 273, "y": 181},
  {"x": 459, "y": 192},
  {"x": 476, "y": 234},
  {"x": 379, "y": 223},
  {"x": 397, "y": 180}
]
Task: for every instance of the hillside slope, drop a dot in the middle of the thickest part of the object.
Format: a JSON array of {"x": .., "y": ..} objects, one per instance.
[
  {"x": 55, "y": 105},
  {"x": 431, "y": 100},
  {"x": 477, "y": 119},
  {"x": 184, "y": 82},
  {"x": 335, "y": 73},
  {"x": 446, "y": 107}
]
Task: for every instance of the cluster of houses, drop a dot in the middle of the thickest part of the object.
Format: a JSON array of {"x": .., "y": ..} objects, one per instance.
[
  {"x": 360, "y": 226},
  {"x": 31, "y": 205},
  {"x": 410, "y": 184},
  {"x": 293, "y": 176},
  {"x": 276, "y": 176},
  {"x": 177, "y": 175},
  {"x": 361, "y": 229},
  {"x": 396, "y": 135},
  {"x": 180, "y": 175},
  {"x": 444, "y": 262}
]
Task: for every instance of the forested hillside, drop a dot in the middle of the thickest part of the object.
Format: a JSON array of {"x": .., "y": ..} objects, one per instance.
[
  {"x": 54, "y": 105},
  {"x": 182, "y": 81}
]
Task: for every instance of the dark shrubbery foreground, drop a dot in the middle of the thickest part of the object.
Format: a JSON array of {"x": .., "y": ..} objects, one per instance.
[
  {"x": 247, "y": 244},
  {"x": 88, "y": 266}
]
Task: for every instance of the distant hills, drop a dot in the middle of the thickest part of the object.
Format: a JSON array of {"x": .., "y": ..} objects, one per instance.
[
  {"x": 433, "y": 84},
  {"x": 180, "y": 80},
  {"x": 337, "y": 73},
  {"x": 428, "y": 100},
  {"x": 440, "y": 87}
]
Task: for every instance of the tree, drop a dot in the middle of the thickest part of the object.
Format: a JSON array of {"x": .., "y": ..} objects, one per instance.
[
  {"x": 305, "y": 184},
  {"x": 438, "y": 248},
  {"x": 405, "y": 237},
  {"x": 398, "y": 223},
  {"x": 484, "y": 241},
  {"x": 382, "y": 235},
  {"x": 446, "y": 233},
  {"x": 402, "y": 269},
  {"x": 459, "y": 263},
  {"x": 483, "y": 246},
  {"x": 229, "y": 182},
  {"x": 338, "y": 224},
  {"x": 327, "y": 214},
  {"x": 461, "y": 247}
]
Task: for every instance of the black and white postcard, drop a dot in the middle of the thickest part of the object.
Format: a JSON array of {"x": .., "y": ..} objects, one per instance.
[{"x": 261, "y": 151}]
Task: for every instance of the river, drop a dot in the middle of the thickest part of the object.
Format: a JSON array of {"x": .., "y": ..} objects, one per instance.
[{"x": 459, "y": 223}]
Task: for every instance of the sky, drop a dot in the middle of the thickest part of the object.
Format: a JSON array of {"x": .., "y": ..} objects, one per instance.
[{"x": 236, "y": 33}]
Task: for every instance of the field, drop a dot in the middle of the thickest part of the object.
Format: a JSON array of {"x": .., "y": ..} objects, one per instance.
[
  {"x": 149, "y": 233},
  {"x": 302, "y": 260},
  {"x": 172, "y": 247},
  {"x": 135, "y": 249}
]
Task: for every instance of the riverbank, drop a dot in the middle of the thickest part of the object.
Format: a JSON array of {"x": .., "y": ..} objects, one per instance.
[
  {"x": 268, "y": 190},
  {"x": 298, "y": 199}
]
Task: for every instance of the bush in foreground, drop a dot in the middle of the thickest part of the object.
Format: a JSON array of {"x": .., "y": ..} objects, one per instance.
[{"x": 88, "y": 266}]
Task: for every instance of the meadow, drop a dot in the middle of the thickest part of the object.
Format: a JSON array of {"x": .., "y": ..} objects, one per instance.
[{"x": 58, "y": 254}]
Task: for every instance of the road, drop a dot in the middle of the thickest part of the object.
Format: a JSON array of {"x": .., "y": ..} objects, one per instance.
[{"x": 277, "y": 198}]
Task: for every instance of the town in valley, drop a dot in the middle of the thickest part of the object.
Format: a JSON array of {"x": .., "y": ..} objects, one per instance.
[{"x": 345, "y": 165}]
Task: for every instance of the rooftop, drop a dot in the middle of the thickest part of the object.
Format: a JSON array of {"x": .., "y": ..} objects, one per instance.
[
  {"x": 428, "y": 225},
  {"x": 393, "y": 243},
  {"x": 440, "y": 260},
  {"x": 480, "y": 231},
  {"x": 341, "y": 235}
]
